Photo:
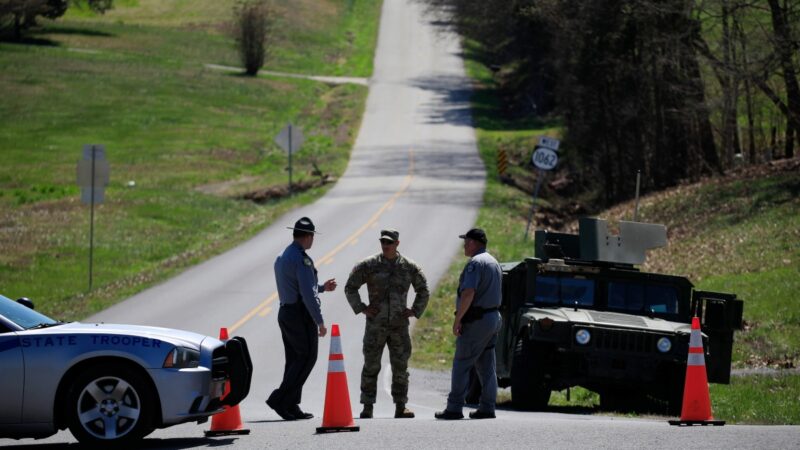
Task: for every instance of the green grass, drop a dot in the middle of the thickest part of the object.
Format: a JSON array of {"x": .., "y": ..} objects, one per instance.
[
  {"x": 329, "y": 37},
  {"x": 346, "y": 50},
  {"x": 737, "y": 234},
  {"x": 758, "y": 399},
  {"x": 189, "y": 140}
]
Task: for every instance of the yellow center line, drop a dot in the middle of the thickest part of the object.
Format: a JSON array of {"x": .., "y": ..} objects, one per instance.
[
  {"x": 264, "y": 308},
  {"x": 253, "y": 312}
]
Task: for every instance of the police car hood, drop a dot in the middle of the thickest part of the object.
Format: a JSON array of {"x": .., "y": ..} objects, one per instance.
[
  {"x": 176, "y": 337},
  {"x": 609, "y": 319}
]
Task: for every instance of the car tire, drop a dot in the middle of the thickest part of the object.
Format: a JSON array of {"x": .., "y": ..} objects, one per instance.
[
  {"x": 528, "y": 389},
  {"x": 110, "y": 403}
]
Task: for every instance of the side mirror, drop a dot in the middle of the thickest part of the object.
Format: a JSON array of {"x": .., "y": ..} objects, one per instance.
[{"x": 26, "y": 302}]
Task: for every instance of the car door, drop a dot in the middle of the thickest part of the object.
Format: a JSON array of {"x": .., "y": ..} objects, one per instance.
[{"x": 13, "y": 377}]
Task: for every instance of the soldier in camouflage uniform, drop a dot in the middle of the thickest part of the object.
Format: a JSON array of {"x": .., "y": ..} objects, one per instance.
[{"x": 388, "y": 276}]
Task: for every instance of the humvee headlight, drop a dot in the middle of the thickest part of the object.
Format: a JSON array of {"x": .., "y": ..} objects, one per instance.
[
  {"x": 583, "y": 336},
  {"x": 664, "y": 345}
]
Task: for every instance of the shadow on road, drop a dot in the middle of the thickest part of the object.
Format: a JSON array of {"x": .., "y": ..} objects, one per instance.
[{"x": 151, "y": 443}]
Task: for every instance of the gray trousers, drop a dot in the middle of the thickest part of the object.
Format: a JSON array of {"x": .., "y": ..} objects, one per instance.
[{"x": 475, "y": 347}]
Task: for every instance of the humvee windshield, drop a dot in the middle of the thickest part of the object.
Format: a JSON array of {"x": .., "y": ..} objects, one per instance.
[
  {"x": 636, "y": 297},
  {"x": 564, "y": 291},
  {"x": 622, "y": 296}
]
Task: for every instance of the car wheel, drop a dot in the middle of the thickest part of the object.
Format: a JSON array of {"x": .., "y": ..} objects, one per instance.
[
  {"x": 110, "y": 403},
  {"x": 528, "y": 389}
]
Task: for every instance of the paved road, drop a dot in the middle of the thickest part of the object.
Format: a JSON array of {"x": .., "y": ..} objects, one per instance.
[{"x": 415, "y": 167}]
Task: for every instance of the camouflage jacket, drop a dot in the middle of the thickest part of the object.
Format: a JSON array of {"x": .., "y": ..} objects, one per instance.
[{"x": 387, "y": 286}]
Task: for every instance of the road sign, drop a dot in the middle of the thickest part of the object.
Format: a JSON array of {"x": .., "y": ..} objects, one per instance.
[
  {"x": 548, "y": 142},
  {"x": 502, "y": 162},
  {"x": 290, "y": 138},
  {"x": 93, "y": 173},
  {"x": 545, "y": 158}
]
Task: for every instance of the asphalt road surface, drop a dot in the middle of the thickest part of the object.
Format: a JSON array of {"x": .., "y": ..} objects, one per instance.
[{"x": 415, "y": 168}]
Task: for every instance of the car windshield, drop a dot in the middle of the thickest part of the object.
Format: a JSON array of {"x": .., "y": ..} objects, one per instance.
[
  {"x": 22, "y": 315},
  {"x": 564, "y": 291}
]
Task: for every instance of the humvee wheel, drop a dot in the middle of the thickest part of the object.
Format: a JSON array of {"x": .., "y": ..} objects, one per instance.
[
  {"x": 528, "y": 390},
  {"x": 675, "y": 400}
]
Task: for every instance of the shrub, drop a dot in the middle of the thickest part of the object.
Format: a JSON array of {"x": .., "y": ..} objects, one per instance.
[{"x": 252, "y": 29}]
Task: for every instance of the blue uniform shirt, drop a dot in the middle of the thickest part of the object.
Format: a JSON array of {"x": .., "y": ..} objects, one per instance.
[
  {"x": 482, "y": 273},
  {"x": 297, "y": 280}
]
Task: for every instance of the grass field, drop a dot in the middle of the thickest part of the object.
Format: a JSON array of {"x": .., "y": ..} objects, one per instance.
[
  {"x": 183, "y": 142},
  {"x": 737, "y": 234}
]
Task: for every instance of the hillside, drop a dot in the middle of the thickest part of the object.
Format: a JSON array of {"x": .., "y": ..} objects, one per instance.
[
  {"x": 135, "y": 80},
  {"x": 738, "y": 233}
]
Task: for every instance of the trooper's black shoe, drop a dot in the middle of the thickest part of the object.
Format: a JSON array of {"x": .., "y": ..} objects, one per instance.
[
  {"x": 478, "y": 414},
  {"x": 299, "y": 413},
  {"x": 283, "y": 412},
  {"x": 367, "y": 412},
  {"x": 448, "y": 415}
]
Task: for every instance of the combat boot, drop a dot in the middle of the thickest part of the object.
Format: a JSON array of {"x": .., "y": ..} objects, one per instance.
[
  {"x": 401, "y": 412},
  {"x": 367, "y": 412}
]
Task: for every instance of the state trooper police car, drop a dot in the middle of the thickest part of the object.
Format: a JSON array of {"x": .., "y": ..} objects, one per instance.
[{"x": 110, "y": 383}]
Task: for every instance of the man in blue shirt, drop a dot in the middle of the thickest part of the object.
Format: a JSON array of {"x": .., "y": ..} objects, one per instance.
[
  {"x": 299, "y": 318},
  {"x": 476, "y": 325}
]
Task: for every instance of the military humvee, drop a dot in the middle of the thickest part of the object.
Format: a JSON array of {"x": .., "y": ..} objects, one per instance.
[{"x": 581, "y": 314}]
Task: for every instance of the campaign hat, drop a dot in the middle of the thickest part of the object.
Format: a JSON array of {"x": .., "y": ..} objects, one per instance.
[{"x": 304, "y": 224}]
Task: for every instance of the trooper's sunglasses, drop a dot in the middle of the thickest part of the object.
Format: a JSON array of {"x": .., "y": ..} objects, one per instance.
[{"x": 383, "y": 242}]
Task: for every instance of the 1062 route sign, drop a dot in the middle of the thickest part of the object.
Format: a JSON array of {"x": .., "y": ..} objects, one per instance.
[{"x": 544, "y": 158}]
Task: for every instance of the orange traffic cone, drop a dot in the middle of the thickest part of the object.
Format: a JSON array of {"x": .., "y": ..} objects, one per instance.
[
  {"x": 696, "y": 409},
  {"x": 337, "y": 416},
  {"x": 229, "y": 421}
]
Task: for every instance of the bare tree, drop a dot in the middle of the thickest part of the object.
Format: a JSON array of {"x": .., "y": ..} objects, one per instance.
[
  {"x": 253, "y": 24},
  {"x": 786, "y": 48}
]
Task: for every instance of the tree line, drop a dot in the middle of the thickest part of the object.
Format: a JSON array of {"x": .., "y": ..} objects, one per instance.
[{"x": 677, "y": 89}]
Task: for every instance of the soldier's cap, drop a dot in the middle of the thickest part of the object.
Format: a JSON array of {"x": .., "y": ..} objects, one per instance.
[
  {"x": 390, "y": 235},
  {"x": 476, "y": 234},
  {"x": 304, "y": 224}
]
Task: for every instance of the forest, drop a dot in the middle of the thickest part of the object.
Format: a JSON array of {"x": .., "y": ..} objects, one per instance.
[{"x": 675, "y": 89}]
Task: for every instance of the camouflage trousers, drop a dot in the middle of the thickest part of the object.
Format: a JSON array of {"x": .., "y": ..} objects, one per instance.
[{"x": 399, "y": 342}]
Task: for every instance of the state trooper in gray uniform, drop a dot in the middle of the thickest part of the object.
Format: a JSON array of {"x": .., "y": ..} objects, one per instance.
[
  {"x": 299, "y": 318},
  {"x": 476, "y": 325},
  {"x": 388, "y": 276}
]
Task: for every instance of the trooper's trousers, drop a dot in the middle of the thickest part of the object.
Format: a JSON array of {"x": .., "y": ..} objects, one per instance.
[
  {"x": 300, "y": 344},
  {"x": 475, "y": 348}
]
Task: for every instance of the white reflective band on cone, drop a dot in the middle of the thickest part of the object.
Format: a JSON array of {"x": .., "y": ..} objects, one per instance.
[
  {"x": 695, "y": 339},
  {"x": 336, "y": 365},
  {"x": 696, "y": 359},
  {"x": 336, "y": 345}
]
